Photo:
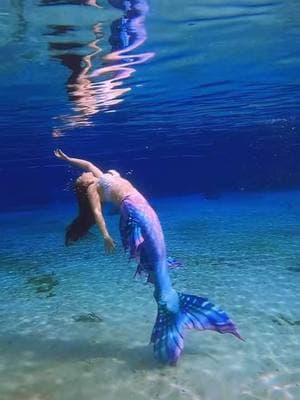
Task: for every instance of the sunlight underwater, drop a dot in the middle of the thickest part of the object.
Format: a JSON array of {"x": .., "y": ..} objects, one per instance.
[
  {"x": 138, "y": 86},
  {"x": 75, "y": 323}
]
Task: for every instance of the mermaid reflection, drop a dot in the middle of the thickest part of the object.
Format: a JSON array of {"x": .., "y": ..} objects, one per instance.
[
  {"x": 127, "y": 34},
  {"x": 97, "y": 84},
  {"x": 69, "y": 2},
  {"x": 143, "y": 237}
]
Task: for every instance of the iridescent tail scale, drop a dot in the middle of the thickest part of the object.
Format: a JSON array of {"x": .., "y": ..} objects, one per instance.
[{"x": 194, "y": 313}]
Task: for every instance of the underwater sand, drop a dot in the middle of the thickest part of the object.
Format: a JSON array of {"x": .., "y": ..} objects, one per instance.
[{"x": 75, "y": 325}]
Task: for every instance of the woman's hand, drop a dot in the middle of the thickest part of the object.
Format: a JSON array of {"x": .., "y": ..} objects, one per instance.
[
  {"x": 109, "y": 245},
  {"x": 61, "y": 155}
]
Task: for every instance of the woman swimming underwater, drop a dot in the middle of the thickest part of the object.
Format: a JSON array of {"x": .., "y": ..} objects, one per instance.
[{"x": 142, "y": 235}]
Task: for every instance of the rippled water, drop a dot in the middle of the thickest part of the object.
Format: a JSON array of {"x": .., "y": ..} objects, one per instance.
[
  {"x": 178, "y": 85},
  {"x": 181, "y": 97}
]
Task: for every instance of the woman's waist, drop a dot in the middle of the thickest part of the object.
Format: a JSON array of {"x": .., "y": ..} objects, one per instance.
[
  {"x": 133, "y": 196},
  {"x": 130, "y": 197}
]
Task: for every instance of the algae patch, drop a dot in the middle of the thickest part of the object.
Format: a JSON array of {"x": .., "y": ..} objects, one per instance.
[
  {"x": 44, "y": 284},
  {"x": 89, "y": 317}
]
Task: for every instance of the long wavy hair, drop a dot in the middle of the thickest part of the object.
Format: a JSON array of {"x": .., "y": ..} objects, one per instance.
[{"x": 85, "y": 219}]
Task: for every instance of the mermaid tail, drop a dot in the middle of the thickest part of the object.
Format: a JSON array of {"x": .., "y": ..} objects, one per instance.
[
  {"x": 194, "y": 313},
  {"x": 134, "y": 209},
  {"x": 142, "y": 235}
]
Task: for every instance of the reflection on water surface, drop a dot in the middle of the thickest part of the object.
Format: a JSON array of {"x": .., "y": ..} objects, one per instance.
[
  {"x": 97, "y": 80},
  {"x": 221, "y": 95}
]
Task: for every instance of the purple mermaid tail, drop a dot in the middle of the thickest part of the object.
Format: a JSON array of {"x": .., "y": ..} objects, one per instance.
[
  {"x": 194, "y": 313},
  {"x": 132, "y": 237},
  {"x": 142, "y": 235}
]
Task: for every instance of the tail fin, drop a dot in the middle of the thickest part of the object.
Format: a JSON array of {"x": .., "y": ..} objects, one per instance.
[{"x": 194, "y": 313}]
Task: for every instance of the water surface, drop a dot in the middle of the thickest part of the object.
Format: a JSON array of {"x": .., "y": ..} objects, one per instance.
[{"x": 211, "y": 86}]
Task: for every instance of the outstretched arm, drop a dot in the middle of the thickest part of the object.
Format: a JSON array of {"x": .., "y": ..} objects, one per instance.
[
  {"x": 77, "y": 162},
  {"x": 95, "y": 203}
]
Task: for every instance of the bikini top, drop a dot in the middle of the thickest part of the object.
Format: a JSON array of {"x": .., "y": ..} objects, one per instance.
[{"x": 106, "y": 182}]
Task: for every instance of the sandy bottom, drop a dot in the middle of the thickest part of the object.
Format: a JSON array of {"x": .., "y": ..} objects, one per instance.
[{"x": 74, "y": 324}]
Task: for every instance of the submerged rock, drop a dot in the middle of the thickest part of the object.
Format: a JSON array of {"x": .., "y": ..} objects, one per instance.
[
  {"x": 44, "y": 283},
  {"x": 90, "y": 317}
]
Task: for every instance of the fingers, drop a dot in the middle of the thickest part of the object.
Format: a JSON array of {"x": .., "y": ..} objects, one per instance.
[
  {"x": 60, "y": 154},
  {"x": 108, "y": 252},
  {"x": 110, "y": 248},
  {"x": 57, "y": 153}
]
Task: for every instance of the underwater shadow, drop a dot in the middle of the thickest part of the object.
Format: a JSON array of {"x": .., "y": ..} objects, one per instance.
[{"x": 39, "y": 349}]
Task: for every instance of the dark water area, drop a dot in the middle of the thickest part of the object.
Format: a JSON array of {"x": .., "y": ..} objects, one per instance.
[{"x": 200, "y": 97}]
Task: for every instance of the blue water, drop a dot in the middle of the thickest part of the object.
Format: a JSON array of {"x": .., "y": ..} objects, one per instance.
[
  {"x": 210, "y": 87},
  {"x": 197, "y": 103},
  {"x": 75, "y": 324}
]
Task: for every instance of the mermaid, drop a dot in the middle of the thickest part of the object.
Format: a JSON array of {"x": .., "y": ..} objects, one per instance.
[{"x": 142, "y": 236}]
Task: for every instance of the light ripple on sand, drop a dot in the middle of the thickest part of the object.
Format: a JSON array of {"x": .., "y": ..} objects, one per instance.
[{"x": 240, "y": 261}]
